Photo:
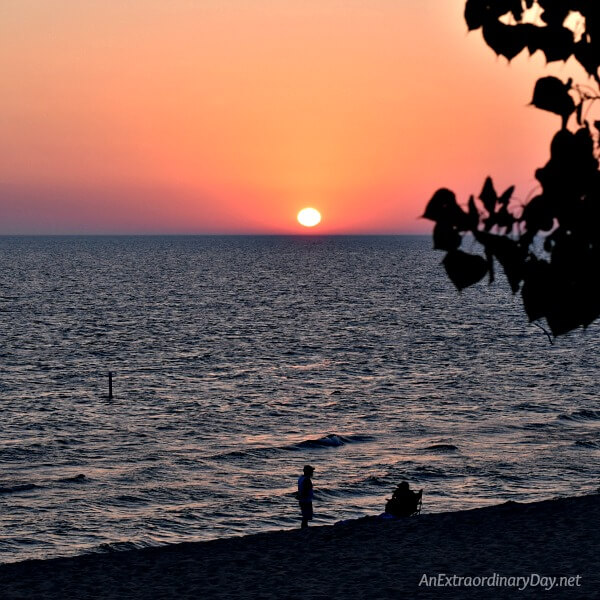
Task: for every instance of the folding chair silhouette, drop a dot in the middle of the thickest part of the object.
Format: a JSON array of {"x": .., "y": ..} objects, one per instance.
[{"x": 398, "y": 508}]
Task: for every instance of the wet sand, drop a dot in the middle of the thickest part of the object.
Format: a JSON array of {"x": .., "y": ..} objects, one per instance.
[{"x": 368, "y": 559}]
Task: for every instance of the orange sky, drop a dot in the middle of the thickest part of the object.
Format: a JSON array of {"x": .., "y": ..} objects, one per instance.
[{"x": 229, "y": 116}]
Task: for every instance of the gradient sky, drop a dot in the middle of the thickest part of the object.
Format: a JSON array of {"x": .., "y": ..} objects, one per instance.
[{"x": 229, "y": 116}]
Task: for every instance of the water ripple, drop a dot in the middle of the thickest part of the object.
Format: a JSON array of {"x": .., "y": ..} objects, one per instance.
[{"x": 237, "y": 360}]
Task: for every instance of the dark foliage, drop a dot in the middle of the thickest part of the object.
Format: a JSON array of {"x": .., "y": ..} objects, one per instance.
[{"x": 549, "y": 248}]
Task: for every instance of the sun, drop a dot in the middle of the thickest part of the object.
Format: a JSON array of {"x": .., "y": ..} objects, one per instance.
[{"x": 309, "y": 217}]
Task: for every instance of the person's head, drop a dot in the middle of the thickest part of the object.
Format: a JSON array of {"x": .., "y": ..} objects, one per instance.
[
  {"x": 403, "y": 486},
  {"x": 308, "y": 470}
]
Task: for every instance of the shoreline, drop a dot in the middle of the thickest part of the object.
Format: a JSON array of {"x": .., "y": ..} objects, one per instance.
[{"x": 363, "y": 558}]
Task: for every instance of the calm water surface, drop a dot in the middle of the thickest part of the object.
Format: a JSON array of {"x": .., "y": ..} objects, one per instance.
[{"x": 239, "y": 359}]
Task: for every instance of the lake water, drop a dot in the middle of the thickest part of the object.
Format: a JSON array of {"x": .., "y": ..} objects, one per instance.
[{"x": 237, "y": 360}]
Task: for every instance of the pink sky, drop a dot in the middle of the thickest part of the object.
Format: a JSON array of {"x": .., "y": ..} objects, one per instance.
[{"x": 229, "y": 116}]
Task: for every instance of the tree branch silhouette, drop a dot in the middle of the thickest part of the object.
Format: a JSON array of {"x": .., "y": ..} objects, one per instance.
[{"x": 548, "y": 247}]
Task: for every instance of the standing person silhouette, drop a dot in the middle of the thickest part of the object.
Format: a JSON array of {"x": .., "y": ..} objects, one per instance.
[{"x": 305, "y": 495}]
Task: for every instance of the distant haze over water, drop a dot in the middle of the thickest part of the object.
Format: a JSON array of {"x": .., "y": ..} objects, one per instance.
[{"x": 237, "y": 360}]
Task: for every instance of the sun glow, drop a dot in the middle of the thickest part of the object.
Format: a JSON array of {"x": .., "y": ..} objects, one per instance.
[{"x": 309, "y": 217}]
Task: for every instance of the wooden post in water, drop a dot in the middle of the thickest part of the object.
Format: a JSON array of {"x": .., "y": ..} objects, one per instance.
[{"x": 110, "y": 385}]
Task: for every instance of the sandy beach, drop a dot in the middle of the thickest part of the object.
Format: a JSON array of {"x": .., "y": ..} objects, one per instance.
[{"x": 367, "y": 558}]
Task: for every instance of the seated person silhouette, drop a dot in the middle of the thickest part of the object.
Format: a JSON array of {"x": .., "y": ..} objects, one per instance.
[{"x": 404, "y": 501}]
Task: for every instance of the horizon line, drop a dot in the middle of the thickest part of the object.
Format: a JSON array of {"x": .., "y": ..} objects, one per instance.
[{"x": 303, "y": 235}]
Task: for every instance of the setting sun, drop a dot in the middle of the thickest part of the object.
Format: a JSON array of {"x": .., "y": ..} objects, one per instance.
[{"x": 309, "y": 217}]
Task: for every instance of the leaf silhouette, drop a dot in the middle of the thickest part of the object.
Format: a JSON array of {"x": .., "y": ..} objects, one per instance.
[
  {"x": 537, "y": 280},
  {"x": 556, "y": 43},
  {"x": 505, "y": 40},
  {"x": 534, "y": 37},
  {"x": 473, "y": 215},
  {"x": 475, "y": 14},
  {"x": 562, "y": 314},
  {"x": 509, "y": 253},
  {"x": 442, "y": 208},
  {"x": 442, "y": 204},
  {"x": 552, "y": 94},
  {"x": 571, "y": 169},
  {"x": 479, "y": 12},
  {"x": 464, "y": 269},
  {"x": 537, "y": 215},
  {"x": 506, "y": 196},
  {"x": 587, "y": 56},
  {"x": 488, "y": 196},
  {"x": 445, "y": 237}
]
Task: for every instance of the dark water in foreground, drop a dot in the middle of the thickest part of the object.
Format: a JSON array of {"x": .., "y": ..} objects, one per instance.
[{"x": 239, "y": 359}]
